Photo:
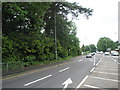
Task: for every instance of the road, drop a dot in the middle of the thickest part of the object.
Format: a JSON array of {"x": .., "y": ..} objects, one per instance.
[{"x": 64, "y": 75}]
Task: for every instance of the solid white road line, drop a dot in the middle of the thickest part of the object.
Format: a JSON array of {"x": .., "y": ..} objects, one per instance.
[
  {"x": 105, "y": 73},
  {"x": 82, "y": 81},
  {"x": 37, "y": 80},
  {"x": 92, "y": 69},
  {"x": 64, "y": 69},
  {"x": 90, "y": 86},
  {"x": 104, "y": 79}
]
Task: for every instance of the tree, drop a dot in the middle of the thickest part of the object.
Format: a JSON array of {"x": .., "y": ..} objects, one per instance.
[
  {"x": 105, "y": 43},
  {"x": 92, "y": 48},
  {"x": 29, "y": 30}
]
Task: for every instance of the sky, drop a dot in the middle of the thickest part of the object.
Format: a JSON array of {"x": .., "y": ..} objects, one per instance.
[{"x": 103, "y": 22}]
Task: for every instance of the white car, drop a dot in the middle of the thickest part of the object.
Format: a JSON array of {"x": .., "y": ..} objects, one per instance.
[
  {"x": 107, "y": 53},
  {"x": 115, "y": 54},
  {"x": 89, "y": 55}
]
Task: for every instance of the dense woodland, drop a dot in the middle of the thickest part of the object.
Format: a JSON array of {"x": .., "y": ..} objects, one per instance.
[{"x": 28, "y": 31}]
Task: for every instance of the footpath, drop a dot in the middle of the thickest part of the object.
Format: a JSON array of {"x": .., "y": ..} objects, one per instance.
[{"x": 104, "y": 76}]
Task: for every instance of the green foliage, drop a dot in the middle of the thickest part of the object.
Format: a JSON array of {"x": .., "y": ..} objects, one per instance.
[
  {"x": 29, "y": 31},
  {"x": 92, "y": 48},
  {"x": 105, "y": 43}
]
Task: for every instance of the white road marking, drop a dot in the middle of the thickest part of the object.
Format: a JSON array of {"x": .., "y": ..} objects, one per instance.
[
  {"x": 90, "y": 60},
  {"x": 92, "y": 69},
  {"x": 82, "y": 81},
  {"x": 113, "y": 59},
  {"x": 64, "y": 69},
  {"x": 104, "y": 79},
  {"x": 79, "y": 60},
  {"x": 90, "y": 86},
  {"x": 105, "y": 73},
  {"x": 68, "y": 81},
  {"x": 37, "y": 80},
  {"x": 97, "y": 64},
  {"x": 101, "y": 59},
  {"x": 107, "y": 69}
]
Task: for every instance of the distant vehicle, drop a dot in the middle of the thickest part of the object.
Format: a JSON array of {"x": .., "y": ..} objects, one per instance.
[
  {"x": 101, "y": 52},
  {"x": 93, "y": 53},
  {"x": 107, "y": 53},
  {"x": 89, "y": 55},
  {"x": 115, "y": 53}
]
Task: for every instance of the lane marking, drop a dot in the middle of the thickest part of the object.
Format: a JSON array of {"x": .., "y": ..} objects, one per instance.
[
  {"x": 79, "y": 60},
  {"x": 106, "y": 69},
  {"x": 90, "y": 86},
  {"x": 101, "y": 59},
  {"x": 37, "y": 80},
  {"x": 82, "y": 81},
  {"x": 92, "y": 69},
  {"x": 97, "y": 64},
  {"x": 64, "y": 69},
  {"x": 105, "y": 73},
  {"x": 90, "y": 60},
  {"x": 104, "y": 79},
  {"x": 113, "y": 59}
]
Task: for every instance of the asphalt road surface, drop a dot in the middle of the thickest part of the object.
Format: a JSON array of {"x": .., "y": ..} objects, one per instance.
[{"x": 64, "y": 75}]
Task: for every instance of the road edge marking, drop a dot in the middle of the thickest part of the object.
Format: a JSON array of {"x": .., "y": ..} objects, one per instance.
[
  {"x": 82, "y": 81},
  {"x": 92, "y": 69}
]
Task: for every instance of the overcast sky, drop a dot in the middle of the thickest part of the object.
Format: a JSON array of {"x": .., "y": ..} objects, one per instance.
[{"x": 103, "y": 22}]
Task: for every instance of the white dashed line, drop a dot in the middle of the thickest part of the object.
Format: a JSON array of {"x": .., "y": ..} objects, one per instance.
[
  {"x": 90, "y": 86},
  {"x": 64, "y": 69},
  {"x": 37, "y": 80},
  {"x": 82, "y": 81},
  {"x": 92, "y": 69}
]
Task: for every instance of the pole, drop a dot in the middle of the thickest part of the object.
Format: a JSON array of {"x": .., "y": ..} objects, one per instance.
[
  {"x": 94, "y": 61},
  {"x": 55, "y": 37}
]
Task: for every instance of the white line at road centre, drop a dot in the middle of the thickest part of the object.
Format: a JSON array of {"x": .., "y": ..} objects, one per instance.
[
  {"x": 37, "y": 80},
  {"x": 104, "y": 79},
  {"x": 82, "y": 81},
  {"x": 64, "y": 69},
  {"x": 105, "y": 73},
  {"x": 90, "y": 86}
]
